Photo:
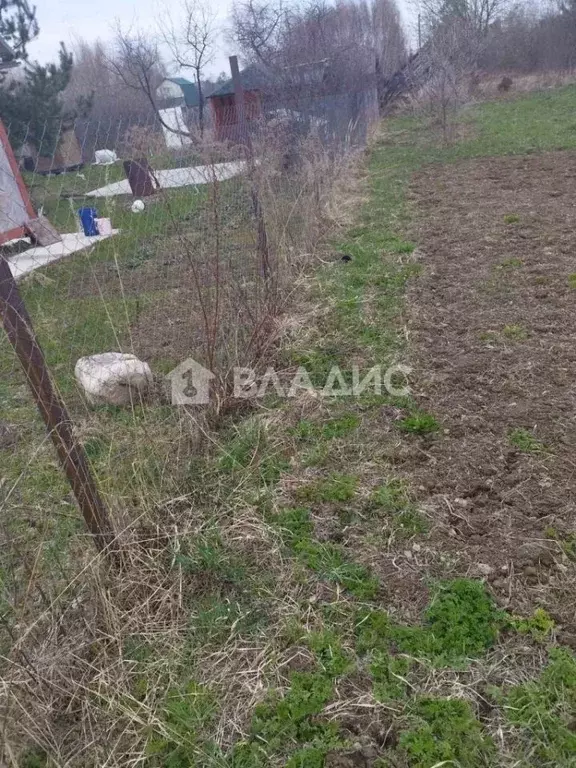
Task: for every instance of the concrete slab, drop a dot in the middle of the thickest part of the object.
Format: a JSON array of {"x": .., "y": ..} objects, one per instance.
[
  {"x": 24, "y": 263},
  {"x": 177, "y": 177}
]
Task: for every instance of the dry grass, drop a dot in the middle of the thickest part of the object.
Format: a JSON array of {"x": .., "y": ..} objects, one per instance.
[
  {"x": 276, "y": 599},
  {"x": 91, "y": 656},
  {"x": 487, "y": 87}
]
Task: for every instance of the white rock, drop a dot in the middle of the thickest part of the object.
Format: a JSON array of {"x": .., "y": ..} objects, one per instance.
[{"x": 113, "y": 378}]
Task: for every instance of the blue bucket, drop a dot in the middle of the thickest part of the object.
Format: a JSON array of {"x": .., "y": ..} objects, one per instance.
[{"x": 88, "y": 220}]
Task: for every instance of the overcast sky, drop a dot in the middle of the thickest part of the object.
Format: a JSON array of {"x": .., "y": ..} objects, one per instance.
[{"x": 70, "y": 20}]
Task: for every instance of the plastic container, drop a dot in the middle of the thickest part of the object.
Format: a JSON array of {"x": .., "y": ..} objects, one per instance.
[
  {"x": 104, "y": 226},
  {"x": 88, "y": 221}
]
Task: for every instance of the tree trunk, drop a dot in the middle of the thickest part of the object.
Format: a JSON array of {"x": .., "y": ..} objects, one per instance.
[{"x": 200, "y": 104}]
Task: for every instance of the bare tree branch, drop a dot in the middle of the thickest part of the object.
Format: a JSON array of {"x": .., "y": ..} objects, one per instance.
[
  {"x": 136, "y": 62},
  {"x": 191, "y": 40}
]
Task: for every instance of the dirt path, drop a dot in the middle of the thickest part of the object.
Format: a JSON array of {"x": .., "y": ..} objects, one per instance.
[{"x": 493, "y": 335}]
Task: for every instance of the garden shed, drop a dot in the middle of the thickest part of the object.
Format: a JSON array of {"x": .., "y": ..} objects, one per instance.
[{"x": 223, "y": 102}]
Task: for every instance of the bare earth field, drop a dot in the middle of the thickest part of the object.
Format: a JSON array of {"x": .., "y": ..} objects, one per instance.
[{"x": 492, "y": 324}]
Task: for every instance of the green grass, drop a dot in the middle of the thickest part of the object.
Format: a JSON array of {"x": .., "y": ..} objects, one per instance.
[
  {"x": 419, "y": 423},
  {"x": 335, "y": 488},
  {"x": 446, "y": 732},
  {"x": 511, "y": 263},
  {"x": 391, "y": 496},
  {"x": 256, "y": 572},
  {"x": 392, "y": 501},
  {"x": 332, "y": 428},
  {"x": 389, "y": 676},
  {"x": 206, "y": 557},
  {"x": 332, "y": 658},
  {"x": 542, "y": 710},
  {"x": 218, "y": 618},
  {"x": 247, "y": 451},
  {"x": 186, "y": 710},
  {"x": 526, "y": 442},
  {"x": 329, "y": 561}
]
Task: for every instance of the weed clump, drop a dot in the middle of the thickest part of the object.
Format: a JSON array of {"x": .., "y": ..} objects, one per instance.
[
  {"x": 525, "y": 441},
  {"x": 543, "y": 712},
  {"x": 419, "y": 423},
  {"x": 538, "y": 626},
  {"x": 461, "y": 622},
  {"x": 446, "y": 733}
]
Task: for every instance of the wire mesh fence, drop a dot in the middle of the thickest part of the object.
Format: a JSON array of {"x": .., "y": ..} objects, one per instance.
[
  {"x": 194, "y": 274},
  {"x": 132, "y": 258}
]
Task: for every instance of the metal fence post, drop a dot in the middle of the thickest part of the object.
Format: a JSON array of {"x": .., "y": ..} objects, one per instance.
[{"x": 18, "y": 327}]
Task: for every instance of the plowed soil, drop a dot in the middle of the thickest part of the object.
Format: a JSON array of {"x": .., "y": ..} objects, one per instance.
[{"x": 492, "y": 322}]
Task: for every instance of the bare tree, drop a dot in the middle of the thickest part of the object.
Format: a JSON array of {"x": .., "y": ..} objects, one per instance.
[
  {"x": 110, "y": 97},
  {"x": 259, "y": 28},
  {"x": 452, "y": 55},
  {"x": 344, "y": 36},
  {"x": 390, "y": 52},
  {"x": 136, "y": 62},
  {"x": 479, "y": 14},
  {"x": 191, "y": 40}
]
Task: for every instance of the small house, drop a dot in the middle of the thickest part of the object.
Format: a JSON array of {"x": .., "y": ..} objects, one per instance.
[
  {"x": 268, "y": 91},
  {"x": 178, "y": 100},
  {"x": 223, "y": 102},
  {"x": 66, "y": 158}
]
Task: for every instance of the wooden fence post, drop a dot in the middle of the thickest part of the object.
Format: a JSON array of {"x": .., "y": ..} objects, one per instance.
[
  {"x": 244, "y": 130},
  {"x": 18, "y": 327}
]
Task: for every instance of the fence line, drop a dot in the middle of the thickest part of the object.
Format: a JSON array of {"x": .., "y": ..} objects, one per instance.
[
  {"x": 129, "y": 296},
  {"x": 200, "y": 270}
]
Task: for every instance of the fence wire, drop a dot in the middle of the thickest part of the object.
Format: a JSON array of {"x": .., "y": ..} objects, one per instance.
[{"x": 199, "y": 269}]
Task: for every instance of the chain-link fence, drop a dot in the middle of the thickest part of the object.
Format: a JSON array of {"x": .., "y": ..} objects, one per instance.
[
  {"x": 138, "y": 267},
  {"x": 161, "y": 258}
]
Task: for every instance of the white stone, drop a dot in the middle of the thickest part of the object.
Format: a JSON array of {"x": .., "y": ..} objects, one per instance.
[{"x": 113, "y": 378}]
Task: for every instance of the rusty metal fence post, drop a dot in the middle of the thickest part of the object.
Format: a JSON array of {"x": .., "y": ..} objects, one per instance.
[{"x": 18, "y": 327}]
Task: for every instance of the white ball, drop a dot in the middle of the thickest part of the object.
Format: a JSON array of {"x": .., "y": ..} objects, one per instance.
[{"x": 137, "y": 206}]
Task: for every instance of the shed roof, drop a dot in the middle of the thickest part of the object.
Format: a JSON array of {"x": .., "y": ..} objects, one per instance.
[
  {"x": 189, "y": 90},
  {"x": 253, "y": 78},
  {"x": 256, "y": 77}
]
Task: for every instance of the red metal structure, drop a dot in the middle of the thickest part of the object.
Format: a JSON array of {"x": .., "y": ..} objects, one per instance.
[
  {"x": 224, "y": 104},
  {"x": 16, "y": 209},
  {"x": 225, "y": 113}
]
